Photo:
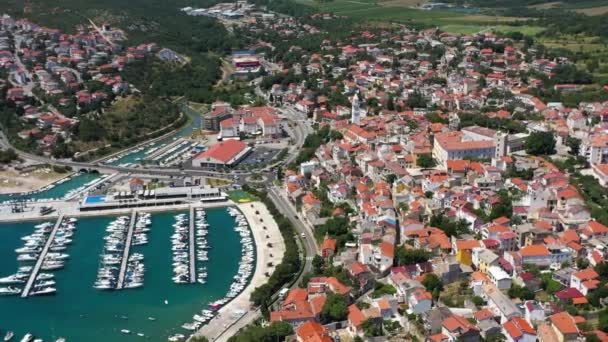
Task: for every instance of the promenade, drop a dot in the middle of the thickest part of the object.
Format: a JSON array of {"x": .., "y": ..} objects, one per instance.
[
  {"x": 239, "y": 312},
  {"x": 70, "y": 208}
]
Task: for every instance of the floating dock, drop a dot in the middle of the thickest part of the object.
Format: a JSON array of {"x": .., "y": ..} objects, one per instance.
[
  {"x": 40, "y": 261},
  {"x": 191, "y": 249},
  {"x": 125, "y": 253}
]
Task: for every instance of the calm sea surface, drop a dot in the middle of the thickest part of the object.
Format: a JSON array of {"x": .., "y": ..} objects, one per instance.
[{"x": 79, "y": 312}]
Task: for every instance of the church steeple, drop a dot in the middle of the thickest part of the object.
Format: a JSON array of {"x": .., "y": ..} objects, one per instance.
[{"x": 355, "y": 113}]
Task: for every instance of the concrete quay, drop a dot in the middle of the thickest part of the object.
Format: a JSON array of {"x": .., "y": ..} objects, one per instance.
[{"x": 239, "y": 312}]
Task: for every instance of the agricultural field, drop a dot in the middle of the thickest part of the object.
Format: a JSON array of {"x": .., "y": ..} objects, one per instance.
[
  {"x": 591, "y": 7},
  {"x": 404, "y": 11}
]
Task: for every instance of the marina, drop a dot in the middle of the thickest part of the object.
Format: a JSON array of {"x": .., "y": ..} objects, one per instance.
[
  {"x": 45, "y": 247},
  {"x": 137, "y": 155},
  {"x": 79, "y": 311},
  {"x": 124, "y": 233},
  {"x": 41, "y": 258},
  {"x": 191, "y": 248},
  {"x": 125, "y": 256}
]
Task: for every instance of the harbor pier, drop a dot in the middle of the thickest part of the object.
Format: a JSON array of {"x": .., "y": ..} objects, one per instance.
[
  {"x": 191, "y": 248},
  {"x": 40, "y": 261},
  {"x": 127, "y": 249}
]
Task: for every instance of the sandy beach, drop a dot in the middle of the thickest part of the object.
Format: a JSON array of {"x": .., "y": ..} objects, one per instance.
[
  {"x": 238, "y": 313},
  {"x": 13, "y": 182}
]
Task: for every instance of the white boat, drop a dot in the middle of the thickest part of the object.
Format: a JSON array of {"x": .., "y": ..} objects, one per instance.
[
  {"x": 27, "y": 257},
  {"x": 125, "y": 331},
  {"x": 9, "y": 335},
  {"x": 44, "y": 291},
  {"x": 199, "y": 318},
  {"x": 176, "y": 337},
  {"x": 190, "y": 326},
  {"x": 27, "y": 338},
  {"x": 12, "y": 279},
  {"x": 9, "y": 291},
  {"x": 61, "y": 339}
]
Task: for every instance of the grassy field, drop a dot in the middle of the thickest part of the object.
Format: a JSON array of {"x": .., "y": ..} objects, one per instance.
[
  {"x": 402, "y": 11},
  {"x": 591, "y": 7},
  {"x": 239, "y": 196},
  {"x": 575, "y": 43},
  {"x": 593, "y": 10}
]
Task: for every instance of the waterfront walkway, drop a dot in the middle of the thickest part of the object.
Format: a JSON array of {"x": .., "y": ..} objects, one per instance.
[
  {"x": 40, "y": 261},
  {"x": 125, "y": 253},
  {"x": 191, "y": 249},
  {"x": 270, "y": 247}
]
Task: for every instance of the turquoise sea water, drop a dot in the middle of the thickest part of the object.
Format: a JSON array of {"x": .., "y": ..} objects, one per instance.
[
  {"x": 79, "y": 312},
  {"x": 56, "y": 192}
]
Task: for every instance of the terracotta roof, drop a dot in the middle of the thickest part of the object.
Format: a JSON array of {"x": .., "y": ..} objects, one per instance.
[
  {"x": 337, "y": 287},
  {"x": 564, "y": 323},
  {"x": 483, "y": 314},
  {"x": 223, "y": 151},
  {"x": 355, "y": 316},
  {"x": 455, "y": 322},
  {"x": 534, "y": 250},
  {"x": 296, "y": 295},
  {"x": 512, "y": 330},
  {"x": 467, "y": 244},
  {"x": 317, "y": 303},
  {"x": 597, "y": 228},
  {"x": 438, "y": 337},
  {"x": 329, "y": 244},
  {"x": 586, "y": 274},
  {"x": 357, "y": 268},
  {"x": 313, "y": 332},
  {"x": 387, "y": 249}
]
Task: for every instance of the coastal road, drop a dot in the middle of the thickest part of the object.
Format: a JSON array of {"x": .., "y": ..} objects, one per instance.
[{"x": 310, "y": 244}]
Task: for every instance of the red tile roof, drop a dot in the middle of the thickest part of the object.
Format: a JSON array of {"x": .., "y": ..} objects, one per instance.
[
  {"x": 534, "y": 250},
  {"x": 223, "y": 151},
  {"x": 355, "y": 316},
  {"x": 564, "y": 323},
  {"x": 313, "y": 332}
]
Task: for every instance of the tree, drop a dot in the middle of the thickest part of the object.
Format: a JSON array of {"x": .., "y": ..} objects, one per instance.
[
  {"x": 408, "y": 256},
  {"x": 450, "y": 227},
  {"x": 390, "y": 178},
  {"x": 425, "y": 161},
  {"x": 199, "y": 339},
  {"x": 7, "y": 156},
  {"x": 280, "y": 329},
  {"x": 433, "y": 284},
  {"x": 335, "y": 308},
  {"x": 540, "y": 143},
  {"x": 317, "y": 264},
  {"x": 371, "y": 328},
  {"x": 574, "y": 144},
  {"x": 478, "y": 301},
  {"x": 416, "y": 100},
  {"x": 390, "y": 103},
  {"x": 520, "y": 292}
]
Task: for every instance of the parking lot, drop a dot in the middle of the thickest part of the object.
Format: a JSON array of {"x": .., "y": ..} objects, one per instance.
[{"x": 260, "y": 156}]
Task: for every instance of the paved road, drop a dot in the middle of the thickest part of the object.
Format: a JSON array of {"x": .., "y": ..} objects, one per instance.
[
  {"x": 288, "y": 211},
  {"x": 29, "y": 86}
]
